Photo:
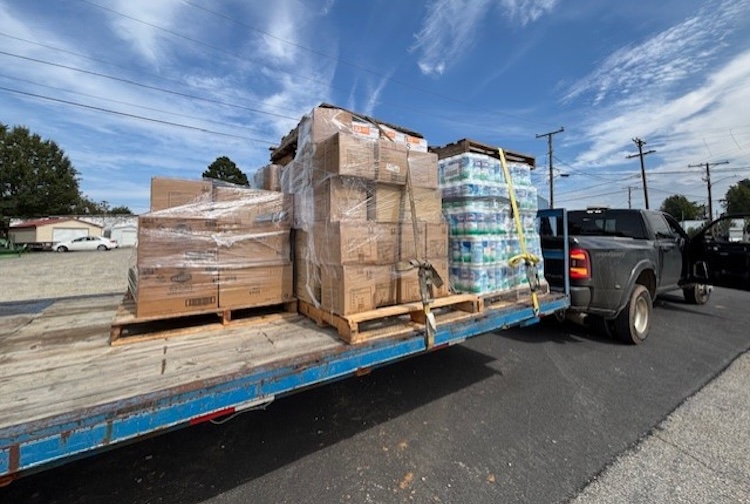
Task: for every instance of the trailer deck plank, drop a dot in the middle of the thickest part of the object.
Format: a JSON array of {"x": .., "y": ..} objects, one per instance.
[
  {"x": 65, "y": 391},
  {"x": 60, "y": 360}
]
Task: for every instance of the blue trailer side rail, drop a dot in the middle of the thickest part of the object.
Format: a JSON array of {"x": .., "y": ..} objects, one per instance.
[{"x": 36, "y": 445}]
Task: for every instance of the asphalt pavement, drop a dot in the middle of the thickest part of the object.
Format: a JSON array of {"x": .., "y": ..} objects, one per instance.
[
  {"x": 541, "y": 415},
  {"x": 699, "y": 454}
]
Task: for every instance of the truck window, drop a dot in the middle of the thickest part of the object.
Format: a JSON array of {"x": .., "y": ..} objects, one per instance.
[
  {"x": 627, "y": 224},
  {"x": 660, "y": 226}
]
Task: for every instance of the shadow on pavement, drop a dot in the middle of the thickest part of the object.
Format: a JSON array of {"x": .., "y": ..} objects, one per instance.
[{"x": 194, "y": 464}]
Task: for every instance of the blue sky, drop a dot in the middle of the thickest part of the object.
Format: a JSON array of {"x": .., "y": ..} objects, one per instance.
[{"x": 231, "y": 77}]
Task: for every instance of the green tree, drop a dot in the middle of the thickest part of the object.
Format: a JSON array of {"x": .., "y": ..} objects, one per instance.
[
  {"x": 86, "y": 206},
  {"x": 36, "y": 177},
  {"x": 120, "y": 210},
  {"x": 737, "y": 198},
  {"x": 225, "y": 169},
  {"x": 679, "y": 207}
]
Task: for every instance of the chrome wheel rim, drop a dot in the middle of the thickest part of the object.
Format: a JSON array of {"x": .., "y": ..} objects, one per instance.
[{"x": 640, "y": 319}]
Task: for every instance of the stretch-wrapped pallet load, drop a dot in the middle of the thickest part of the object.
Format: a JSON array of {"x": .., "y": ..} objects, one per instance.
[
  {"x": 482, "y": 227},
  {"x": 353, "y": 221},
  {"x": 229, "y": 249}
]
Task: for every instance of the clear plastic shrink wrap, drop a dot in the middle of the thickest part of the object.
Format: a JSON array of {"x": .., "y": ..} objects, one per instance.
[
  {"x": 352, "y": 212},
  {"x": 476, "y": 202},
  {"x": 228, "y": 249}
]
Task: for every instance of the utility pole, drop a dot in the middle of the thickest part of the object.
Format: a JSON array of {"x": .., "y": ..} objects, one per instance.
[
  {"x": 549, "y": 143},
  {"x": 630, "y": 200},
  {"x": 707, "y": 180},
  {"x": 640, "y": 143}
]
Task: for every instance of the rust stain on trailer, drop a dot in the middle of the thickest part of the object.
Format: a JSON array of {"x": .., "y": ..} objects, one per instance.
[
  {"x": 14, "y": 458},
  {"x": 64, "y": 436},
  {"x": 107, "y": 433}
]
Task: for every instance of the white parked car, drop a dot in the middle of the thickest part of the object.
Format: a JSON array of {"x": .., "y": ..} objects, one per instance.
[{"x": 86, "y": 243}]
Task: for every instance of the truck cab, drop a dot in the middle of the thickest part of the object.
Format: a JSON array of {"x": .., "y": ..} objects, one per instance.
[{"x": 622, "y": 259}]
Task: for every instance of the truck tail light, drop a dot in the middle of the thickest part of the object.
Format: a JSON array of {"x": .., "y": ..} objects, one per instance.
[{"x": 580, "y": 264}]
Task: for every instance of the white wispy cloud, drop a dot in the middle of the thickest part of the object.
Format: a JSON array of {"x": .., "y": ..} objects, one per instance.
[
  {"x": 681, "y": 51},
  {"x": 113, "y": 151},
  {"x": 449, "y": 29},
  {"x": 146, "y": 40},
  {"x": 527, "y": 11}
]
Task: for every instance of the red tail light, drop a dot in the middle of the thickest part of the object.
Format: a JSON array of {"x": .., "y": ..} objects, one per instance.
[{"x": 580, "y": 264}]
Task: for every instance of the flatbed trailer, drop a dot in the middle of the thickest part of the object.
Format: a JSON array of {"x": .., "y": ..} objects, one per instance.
[{"x": 65, "y": 392}]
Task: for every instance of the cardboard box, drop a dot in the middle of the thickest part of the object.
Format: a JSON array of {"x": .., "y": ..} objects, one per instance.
[
  {"x": 239, "y": 208},
  {"x": 432, "y": 239},
  {"x": 423, "y": 168},
  {"x": 344, "y": 154},
  {"x": 414, "y": 143},
  {"x": 253, "y": 248},
  {"x": 354, "y": 289},
  {"x": 391, "y": 162},
  {"x": 169, "y": 192},
  {"x": 176, "y": 242},
  {"x": 307, "y": 282},
  {"x": 168, "y": 227},
  {"x": 436, "y": 237},
  {"x": 324, "y": 122},
  {"x": 306, "y": 270},
  {"x": 268, "y": 178},
  {"x": 338, "y": 198},
  {"x": 405, "y": 241},
  {"x": 255, "y": 286},
  {"x": 175, "y": 291},
  {"x": 408, "y": 283},
  {"x": 339, "y": 243},
  {"x": 390, "y": 203}
]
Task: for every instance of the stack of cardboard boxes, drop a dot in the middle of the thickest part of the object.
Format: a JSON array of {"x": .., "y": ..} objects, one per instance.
[
  {"x": 353, "y": 222},
  {"x": 206, "y": 246}
]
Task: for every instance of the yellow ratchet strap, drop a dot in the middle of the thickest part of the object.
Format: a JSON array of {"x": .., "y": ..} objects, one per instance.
[{"x": 529, "y": 260}]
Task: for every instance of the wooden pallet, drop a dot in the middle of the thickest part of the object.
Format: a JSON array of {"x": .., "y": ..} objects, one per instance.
[
  {"x": 389, "y": 321},
  {"x": 128, "y": 328},
  {"x": 467, "y": 145},
  {"x": 501, "y": 299}
]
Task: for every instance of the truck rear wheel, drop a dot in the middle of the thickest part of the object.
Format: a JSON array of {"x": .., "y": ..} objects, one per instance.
[
  {"x": 632, "y": 325},
  {"x": 697, "y": 294}
]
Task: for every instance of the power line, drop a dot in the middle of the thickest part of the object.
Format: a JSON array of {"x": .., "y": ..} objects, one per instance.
[
  {"x": 135, "y": 116},
  {"x": 682, "y": 172},
  {"x": 147, "y": 86},
  {"x": 345, "y": 62},
  {"x": 307, "y": 77},
  {"x": 587, "y": 196},
  {"x": 579, "y": 171},
  {"x": 673, "y": 193},
  {"x": 152, "y": 109},
  {"x": 401, "y": 107},
  {"x": 129, "y": 69},
  {"x": 586, "y": 188}
]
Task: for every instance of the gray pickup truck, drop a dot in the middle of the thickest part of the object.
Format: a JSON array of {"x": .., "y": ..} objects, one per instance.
[{"x": 620, "y": 260}]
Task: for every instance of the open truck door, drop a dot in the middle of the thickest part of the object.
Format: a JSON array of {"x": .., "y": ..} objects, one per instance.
[{"x": 719, "y": 254}]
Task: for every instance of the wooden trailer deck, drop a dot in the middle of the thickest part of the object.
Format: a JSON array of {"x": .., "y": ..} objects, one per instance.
[{"x": 65, "y": 391}]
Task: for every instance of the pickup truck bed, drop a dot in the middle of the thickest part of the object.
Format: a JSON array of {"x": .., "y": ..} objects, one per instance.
[{"x": 64, "y": 391}]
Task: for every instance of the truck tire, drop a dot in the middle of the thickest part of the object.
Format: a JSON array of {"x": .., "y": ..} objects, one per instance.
[
  {"x": 632, "y": 325},
  {"x": 697, "y": 294}
]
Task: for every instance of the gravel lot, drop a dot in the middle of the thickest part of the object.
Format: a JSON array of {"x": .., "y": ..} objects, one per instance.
[{"x": 42, "y": 275}]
